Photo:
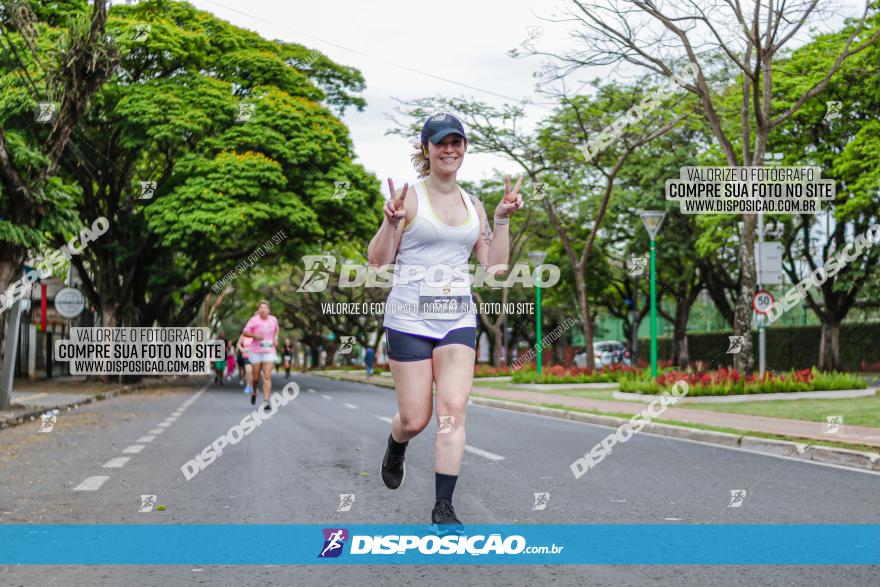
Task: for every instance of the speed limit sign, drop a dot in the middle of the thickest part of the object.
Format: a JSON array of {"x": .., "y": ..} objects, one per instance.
[{"x": 762, "y": 301}]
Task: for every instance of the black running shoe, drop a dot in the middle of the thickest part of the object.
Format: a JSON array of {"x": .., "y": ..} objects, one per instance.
[
  {"x": 393, "y": 469},
  {"x": 254, "y": 399},
  {"x": 266, "y": 406},
  {"x": 443, "y": 520}
]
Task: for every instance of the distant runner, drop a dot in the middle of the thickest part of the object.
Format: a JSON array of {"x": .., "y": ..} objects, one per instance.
[
  {"x": 288, "y": 357},
  {"x": 263, "y": 329},
  {"x": 369, "y": 360},
  {"x": 245, "y": 368}
]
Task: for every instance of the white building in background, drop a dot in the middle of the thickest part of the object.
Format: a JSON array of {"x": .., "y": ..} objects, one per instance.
[{"x": 483, "y": 349}]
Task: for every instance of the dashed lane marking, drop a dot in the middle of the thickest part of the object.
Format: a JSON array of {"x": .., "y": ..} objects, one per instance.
[
  {"x": 116, "y": 462},
  {"x": 91, "y": 483},
  {"x": 483, "y": 453}
]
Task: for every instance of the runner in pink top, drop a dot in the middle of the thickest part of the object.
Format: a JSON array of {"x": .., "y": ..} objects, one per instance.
[{"x": 263, "y": 329}]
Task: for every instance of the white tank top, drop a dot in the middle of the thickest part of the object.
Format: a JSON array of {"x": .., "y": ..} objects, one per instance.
[{"x": 431, "y": 294}]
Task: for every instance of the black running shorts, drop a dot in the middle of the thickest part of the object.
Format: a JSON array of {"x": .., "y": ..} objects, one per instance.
[{"x": 403, "y": 346}]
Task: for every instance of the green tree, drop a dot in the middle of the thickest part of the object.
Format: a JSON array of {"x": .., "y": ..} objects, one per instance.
[
  {"x": 847, "y": 149},
  {"x": 57, "y": 53},
  {"x": 727, "y": 41},
  {"x": 238, "y": 135}
]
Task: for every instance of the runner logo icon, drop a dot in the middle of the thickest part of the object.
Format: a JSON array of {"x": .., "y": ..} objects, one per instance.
[
  {"x": 334, "y": 540},
  {"x": 317, "y": 272}
]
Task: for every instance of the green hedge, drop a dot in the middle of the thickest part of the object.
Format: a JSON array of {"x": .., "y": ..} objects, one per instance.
[
  {"x": 791, "y": 347},
  {"x": 568, "y": 376}
]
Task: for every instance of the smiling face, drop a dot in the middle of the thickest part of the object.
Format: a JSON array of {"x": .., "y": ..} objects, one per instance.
[
  {"x": 447, "y": 155},
  {"x": 263, "y": 311}
]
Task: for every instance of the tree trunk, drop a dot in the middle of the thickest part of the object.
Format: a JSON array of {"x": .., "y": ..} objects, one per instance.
[
  {"x": 498, "y": 345},
  {"x": 744, "y": 361},
  {"x": 7, "y": 273},
  {"x": 585, "y": 311},
  {"x": 296, "y": 350},
  {"x": 829, "y": 346},
  {"x": 679, "y": 338},
  {"x": 108, "y": 318}
]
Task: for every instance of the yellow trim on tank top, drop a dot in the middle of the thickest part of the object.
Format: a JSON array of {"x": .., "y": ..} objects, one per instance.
[{"x": 434, "y": 212}]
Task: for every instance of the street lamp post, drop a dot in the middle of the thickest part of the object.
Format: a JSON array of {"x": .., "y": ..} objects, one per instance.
[
  {"x": 537, "y": 259},
  {"x": 652, "y": 220}
]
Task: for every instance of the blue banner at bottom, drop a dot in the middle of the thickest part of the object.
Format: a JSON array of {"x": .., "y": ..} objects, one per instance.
[{"x": 614, "y": 544}]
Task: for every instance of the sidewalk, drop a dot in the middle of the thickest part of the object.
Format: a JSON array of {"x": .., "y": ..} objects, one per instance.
[
  {"x": 781, "y": 426},
  {"x": 745, "y": 422},
  {"x": 32, "y": 398}
]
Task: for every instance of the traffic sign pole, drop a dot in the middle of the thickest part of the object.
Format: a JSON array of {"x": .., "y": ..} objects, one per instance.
[
  {"x": 762, "y": 339},
  {"x": 653, "y": 313}
]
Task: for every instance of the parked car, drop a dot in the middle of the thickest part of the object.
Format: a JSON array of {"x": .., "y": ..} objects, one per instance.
[{"x": 605, "y": 353}]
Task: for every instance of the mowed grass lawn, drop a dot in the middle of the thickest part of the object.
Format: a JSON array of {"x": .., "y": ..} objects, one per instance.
[{"x": 858, "y": 411}]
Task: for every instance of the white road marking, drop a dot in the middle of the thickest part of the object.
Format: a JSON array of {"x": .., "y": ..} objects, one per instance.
[
  {"x": 91, "y": 483},
  {"x": 326, "y": 396},
  {"x": 116, "y": 462},
  {"x": 350, "y": 406},
  {"x": 133, "y": 449},
  {"x": 386, "y": 419},
  {"x": 157, "y": 431},
  {"x": 311, "y": 390},
  {"x": 146, "y": 439},
  {"x": 163, "y": 424},
  {"x": 483, "y": 453},
  {"x": 672, "y": 519}
]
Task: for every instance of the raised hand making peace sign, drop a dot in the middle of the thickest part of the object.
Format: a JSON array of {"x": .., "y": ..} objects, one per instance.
[
  {"x": 512, "y": 200},
  {"x": 394, "y": 210}
]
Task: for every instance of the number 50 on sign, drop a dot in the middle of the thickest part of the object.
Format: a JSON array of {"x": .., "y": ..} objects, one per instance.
[{"x": 762, "y": 301}]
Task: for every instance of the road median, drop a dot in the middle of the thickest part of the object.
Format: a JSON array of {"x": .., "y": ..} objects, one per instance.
[{"x": 758, "y": 440}]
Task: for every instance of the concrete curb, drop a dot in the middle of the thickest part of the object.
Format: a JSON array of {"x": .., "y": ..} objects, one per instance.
[
  {"x": 36, "y": 412},
  {"x": 869, "y": 461},
  {"x": 752, "y": 397}
]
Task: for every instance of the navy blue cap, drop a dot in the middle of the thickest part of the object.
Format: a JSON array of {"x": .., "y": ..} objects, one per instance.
[{"x": 439, "y": 125}]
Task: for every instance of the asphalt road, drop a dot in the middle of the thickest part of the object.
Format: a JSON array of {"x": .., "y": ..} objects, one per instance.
[{"x": 99, "y": 459}]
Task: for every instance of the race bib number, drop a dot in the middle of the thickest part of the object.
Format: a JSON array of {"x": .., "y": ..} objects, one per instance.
[
  {"x": 265, "y": 344},
  {"x": 447, "y": 302}
]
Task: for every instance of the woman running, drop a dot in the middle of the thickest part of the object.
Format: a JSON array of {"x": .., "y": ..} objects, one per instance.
[
  {"x": 263, "y": 329},
  {"x": 428, "y": 226},
  {"x": 245, "y": 367},
  {"x": 220, "y": 364},
  {"x": 230, "y": 360}
]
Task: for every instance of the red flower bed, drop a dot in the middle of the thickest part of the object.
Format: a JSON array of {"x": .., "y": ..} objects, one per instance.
[
  {"x": 730, "y": 377},
  {"x": 482, "y": 370}
]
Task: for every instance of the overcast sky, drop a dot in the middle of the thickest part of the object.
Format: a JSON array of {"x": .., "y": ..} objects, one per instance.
[{"x": 465, "y": 42}]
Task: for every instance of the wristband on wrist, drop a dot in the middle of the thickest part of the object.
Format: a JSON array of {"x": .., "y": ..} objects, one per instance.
[{"x": 500, "y": 221}]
